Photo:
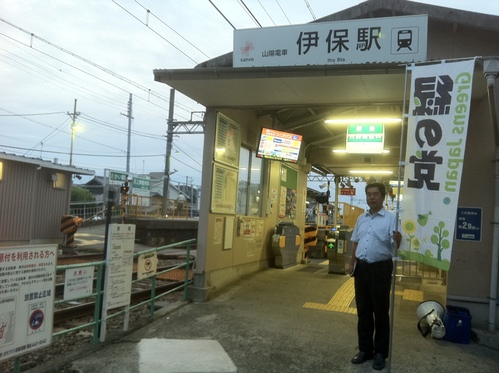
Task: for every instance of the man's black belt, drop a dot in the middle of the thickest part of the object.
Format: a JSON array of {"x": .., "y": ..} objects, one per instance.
[{"x": 363, "y": 262}]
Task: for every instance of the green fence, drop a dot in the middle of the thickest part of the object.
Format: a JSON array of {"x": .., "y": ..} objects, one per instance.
[{"x": 98, "y": 292}]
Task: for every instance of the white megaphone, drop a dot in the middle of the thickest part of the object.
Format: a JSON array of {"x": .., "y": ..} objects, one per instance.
[{"x": 430, "y": 314}]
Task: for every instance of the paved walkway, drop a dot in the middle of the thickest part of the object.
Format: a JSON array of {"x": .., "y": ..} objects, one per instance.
[{"x": 299, "y": 319}]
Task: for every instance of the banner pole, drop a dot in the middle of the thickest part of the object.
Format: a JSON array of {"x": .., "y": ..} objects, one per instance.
[{"x": 397, "y": 212}]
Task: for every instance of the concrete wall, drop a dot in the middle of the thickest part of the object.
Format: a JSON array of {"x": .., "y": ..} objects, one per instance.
[{"x": 218, "y": 266}]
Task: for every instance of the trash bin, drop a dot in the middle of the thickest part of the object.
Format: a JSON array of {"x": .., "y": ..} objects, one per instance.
[
  {"x": 457, "y": 322},
  {"x": 339, "y": 249},
  {"x": 285, "y": 244}
]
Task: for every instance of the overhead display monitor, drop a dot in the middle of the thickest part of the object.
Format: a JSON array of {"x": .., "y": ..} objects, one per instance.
[{"x": 279, "y": 145}]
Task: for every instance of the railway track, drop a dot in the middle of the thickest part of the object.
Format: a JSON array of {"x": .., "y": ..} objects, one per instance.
[
  {"x": 165, "y": 283},
  {"x": 86, "y": 309}
]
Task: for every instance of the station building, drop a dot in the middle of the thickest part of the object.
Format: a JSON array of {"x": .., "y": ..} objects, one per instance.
[
  {"x": 34, "y": 195},
  {"x": 245, "y": 197}
]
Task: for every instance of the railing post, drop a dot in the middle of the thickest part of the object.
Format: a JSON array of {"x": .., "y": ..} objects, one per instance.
[
  {"x": 153, "y": 296},
  {"x": 187, "y": 266},
  {"x": 97, "y": 308}
]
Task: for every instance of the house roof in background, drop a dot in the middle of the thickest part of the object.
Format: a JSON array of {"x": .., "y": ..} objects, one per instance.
[{"x": 45, "y": 164}]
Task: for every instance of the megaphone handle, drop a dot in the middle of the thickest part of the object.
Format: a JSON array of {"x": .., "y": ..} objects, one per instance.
[{"x": 425, "y": 333}]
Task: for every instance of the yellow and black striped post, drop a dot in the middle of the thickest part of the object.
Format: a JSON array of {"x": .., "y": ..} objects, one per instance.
[{"x": 69, "y": 226}]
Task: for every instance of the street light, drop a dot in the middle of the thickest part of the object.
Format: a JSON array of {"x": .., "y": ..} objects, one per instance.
[{"x": 74, "y": 126}]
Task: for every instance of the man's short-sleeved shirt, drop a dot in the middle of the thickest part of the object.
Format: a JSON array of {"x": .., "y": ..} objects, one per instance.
[{"x": 374, "y": 235}]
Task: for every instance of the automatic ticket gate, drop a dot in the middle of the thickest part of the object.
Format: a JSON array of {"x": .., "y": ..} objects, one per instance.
[
  {"x": 339, "y": 249},
  {"x": 285, "y": 244}
]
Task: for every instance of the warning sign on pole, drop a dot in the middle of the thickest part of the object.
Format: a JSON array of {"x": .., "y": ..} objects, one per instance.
[{"x": 147, "y": 265}]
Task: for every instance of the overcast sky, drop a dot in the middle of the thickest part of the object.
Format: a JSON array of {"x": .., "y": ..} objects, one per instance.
[{"x": 101, "y": 51}]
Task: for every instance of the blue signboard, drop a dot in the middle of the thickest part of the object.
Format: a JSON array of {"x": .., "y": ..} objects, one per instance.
[{"x": 469, "y": 224}]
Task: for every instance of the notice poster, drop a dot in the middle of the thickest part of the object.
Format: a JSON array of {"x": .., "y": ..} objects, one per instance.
[
  {"x": 120, "y": 250},
  {"x": 27, "y": 281},
  {"x": 78, "y": 282},
  {"x": 224, "y": 190}
]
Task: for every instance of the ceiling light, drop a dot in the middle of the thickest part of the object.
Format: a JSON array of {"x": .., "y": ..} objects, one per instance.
[
  {"x": 342, "y": 151},
  {"x": 363, "y": 120},
  {"x": 372, "y": 172}
]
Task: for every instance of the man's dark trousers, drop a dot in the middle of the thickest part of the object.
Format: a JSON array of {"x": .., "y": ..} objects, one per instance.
[{"x": 372, "y": 296}]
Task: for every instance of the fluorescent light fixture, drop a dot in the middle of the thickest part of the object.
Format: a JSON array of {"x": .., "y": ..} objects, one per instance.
[
  {"x": 372, "y": 172},
  {"x": 385, "y": 151},
  {"x": 363, "y": 120}
]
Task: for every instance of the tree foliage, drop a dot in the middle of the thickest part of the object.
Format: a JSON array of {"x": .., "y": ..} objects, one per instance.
[{"x": 79, "y": 194}]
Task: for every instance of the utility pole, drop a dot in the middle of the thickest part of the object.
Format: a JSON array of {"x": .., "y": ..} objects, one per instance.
[
  {"x": 73, "y": 125},
  {"x": 169, "y": 141},
  {"x": 177, "y": 127},
  {"x": 130, "y": 117}
]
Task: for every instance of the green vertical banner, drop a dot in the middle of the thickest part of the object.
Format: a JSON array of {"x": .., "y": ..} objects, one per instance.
[
  {"x": 440, "y": 103},
  {"x": 288, "y": 194}
]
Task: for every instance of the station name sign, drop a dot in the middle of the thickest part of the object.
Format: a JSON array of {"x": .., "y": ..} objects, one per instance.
[{"x": 372, "y": 40}]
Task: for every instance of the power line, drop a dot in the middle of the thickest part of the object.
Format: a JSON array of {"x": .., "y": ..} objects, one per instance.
[
  {"x": 92, "y": 75},
  {"x": 265, "y": 10},
  {"x": 159, "y": 19},
  {"x": 41, "y": 72},
  {"x": 223, "y": 15},
  {"x": 117, "y": 128},
  {"x": 157, "y": 33},
  {"x": 31, "y": 115},
  {"x": 53, "y": 78},
  {"x": 86, "y": 154},
  {"x": 283, "y": 12},
  {"x": 33, "y": 36},
  {"x": 249, "y": 12},
  {"x": 310, "y": 9},
  {"x": 46, "y": 137}
]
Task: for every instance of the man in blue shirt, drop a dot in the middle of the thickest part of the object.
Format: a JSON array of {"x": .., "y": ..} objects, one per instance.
[{"x": 374, "y": 238}]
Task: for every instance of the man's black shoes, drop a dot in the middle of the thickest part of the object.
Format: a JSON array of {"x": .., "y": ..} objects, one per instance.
[
  {"x": 362, "y": 357},
  {"x": 379, "y": 362}
]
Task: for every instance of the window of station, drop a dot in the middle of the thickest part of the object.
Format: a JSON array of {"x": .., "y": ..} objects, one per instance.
[
  {"x": 249, "y": 195},
  {"x": 1, "y": 171},
  {"x": 59, "y": 180}
]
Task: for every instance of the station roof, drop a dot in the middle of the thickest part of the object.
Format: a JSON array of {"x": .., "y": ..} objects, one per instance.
[
  {"x": 300, "y": 98},
  {"x": 45, "y": 164}
]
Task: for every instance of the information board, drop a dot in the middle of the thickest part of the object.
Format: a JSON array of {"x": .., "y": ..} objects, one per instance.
[
  {"x": 78, "y": 282},
  {"x": 469, "y": 224},
  {"x": 224, "y": 190},
  {"x": 118, "y": 281},
  {"x": 27, "y": 281}
]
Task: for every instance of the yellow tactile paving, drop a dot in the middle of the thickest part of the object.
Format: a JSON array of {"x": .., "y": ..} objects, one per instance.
[
  {"x": 415, "y": 295},
  {"x": 341, "y": 300}
]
